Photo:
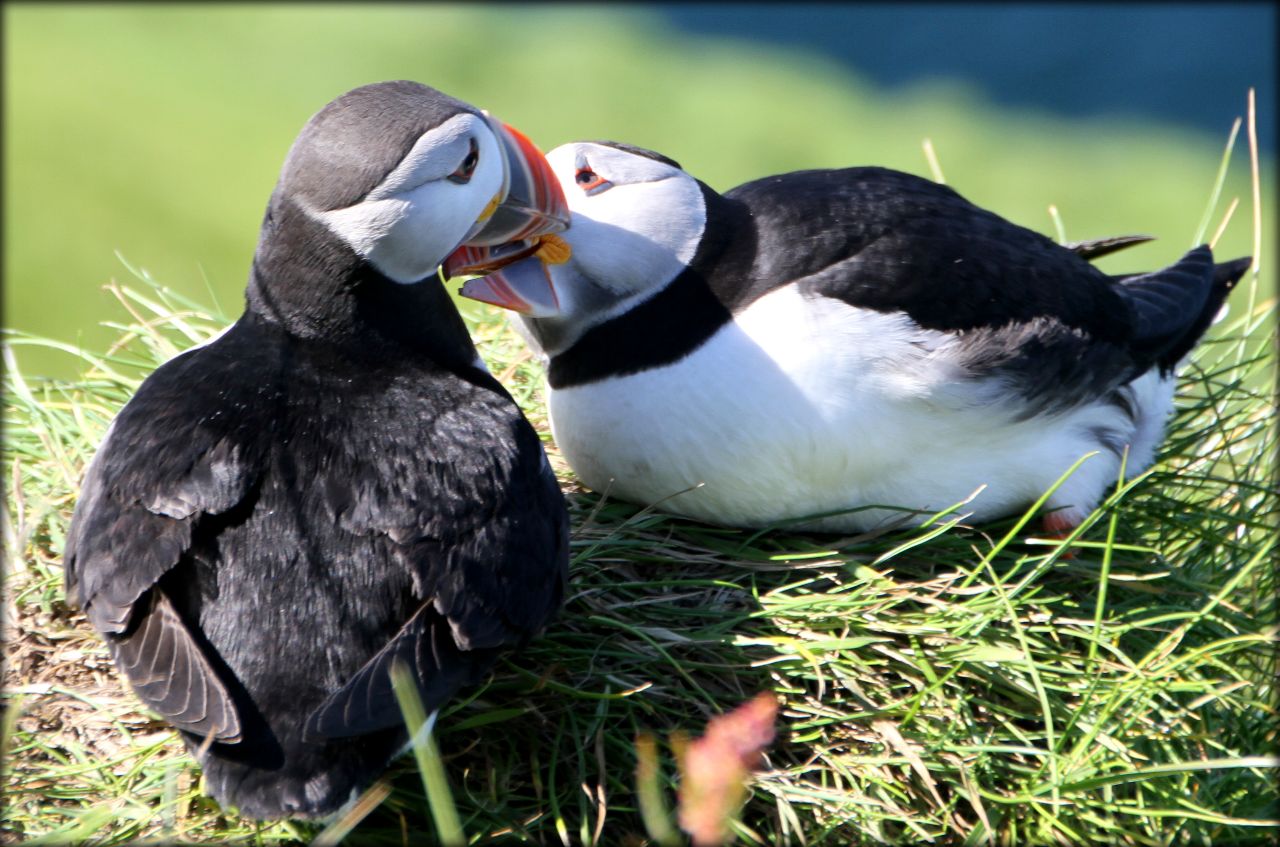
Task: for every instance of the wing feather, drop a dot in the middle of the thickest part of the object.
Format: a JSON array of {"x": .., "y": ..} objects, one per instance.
[
  {"x": 170, "y": 672},
  {"x": 490, "y": 563},
  {"x": 1022, "y": 308},
  {"x": 367, "y": 702},
  {"x": 1099, "y": 247},
  {"x": 174, "y": 454}
]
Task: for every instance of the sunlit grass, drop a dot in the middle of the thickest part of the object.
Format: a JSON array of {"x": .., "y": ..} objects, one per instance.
[{"x": 950, "y": 683}]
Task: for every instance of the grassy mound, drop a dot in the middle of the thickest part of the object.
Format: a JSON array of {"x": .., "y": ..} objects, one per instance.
[
  {"x": 943, "y": 682},
  {"x": 950, "y": 683}
]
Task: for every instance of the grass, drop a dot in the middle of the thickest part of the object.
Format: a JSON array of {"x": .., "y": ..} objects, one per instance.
[{"x": 952, "y": 683}]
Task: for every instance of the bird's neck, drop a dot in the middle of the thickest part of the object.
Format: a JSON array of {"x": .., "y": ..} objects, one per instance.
[
  {"x": 679, "y": 317},
  {"x": 314, "y": 287}
]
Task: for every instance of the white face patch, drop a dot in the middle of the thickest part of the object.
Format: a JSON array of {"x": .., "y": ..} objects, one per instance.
[
  {"x": 638, "y": 233},
  {"x": 417, "y": 215}
]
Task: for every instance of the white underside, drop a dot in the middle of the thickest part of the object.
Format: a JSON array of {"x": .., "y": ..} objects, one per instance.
[{"x": 806, "y": 406}]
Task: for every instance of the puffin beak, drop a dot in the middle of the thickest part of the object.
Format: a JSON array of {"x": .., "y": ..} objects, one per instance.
[
  {"x": 523, "y": 285},
  {"x": 532, "y": 205},
  {"x": 470, "y": 260},
  {"x": 531, "y": 202}
]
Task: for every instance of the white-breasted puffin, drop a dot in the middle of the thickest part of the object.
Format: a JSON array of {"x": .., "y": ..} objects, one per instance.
[
  {"x": 336, "y": 482},
  {"x": 829, "y": 342}
]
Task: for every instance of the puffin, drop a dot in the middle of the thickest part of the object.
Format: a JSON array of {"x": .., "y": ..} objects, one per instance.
[
  {"x": 839, "y": 350},
  {"x": 336, "y": 484}
]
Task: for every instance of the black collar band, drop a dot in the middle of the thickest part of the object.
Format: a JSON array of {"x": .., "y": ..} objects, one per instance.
[{"x": 674, "y": 322}]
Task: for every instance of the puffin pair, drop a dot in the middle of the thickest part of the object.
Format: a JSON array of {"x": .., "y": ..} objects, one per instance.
[
  {"x": 839, "y": 348},
  {"x": 336, "y": 483}
]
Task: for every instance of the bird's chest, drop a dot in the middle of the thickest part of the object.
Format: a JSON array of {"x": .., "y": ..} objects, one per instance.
[{"x": 795, "y": 398}]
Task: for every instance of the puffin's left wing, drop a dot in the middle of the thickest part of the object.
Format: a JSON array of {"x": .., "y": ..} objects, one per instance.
[
  {"x": 172, "y": 457},
  {"x": 367, "y": 703}
]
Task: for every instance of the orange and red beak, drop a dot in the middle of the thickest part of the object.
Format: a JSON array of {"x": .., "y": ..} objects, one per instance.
[
  {"x": 530, "y": 203},
  {"x": 523, "y": 286}
]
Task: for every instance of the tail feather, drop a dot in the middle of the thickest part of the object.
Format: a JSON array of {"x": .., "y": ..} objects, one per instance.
[
  {"x": 1225, "y": 277},
  {"x": 1099, "y": 247},
  {"x": 1173, "y": 307}
]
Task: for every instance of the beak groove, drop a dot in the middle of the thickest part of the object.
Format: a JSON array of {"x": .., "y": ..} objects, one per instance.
[
  {"x": 475, "y": 261},
  {"x": 532, "y": 204}
]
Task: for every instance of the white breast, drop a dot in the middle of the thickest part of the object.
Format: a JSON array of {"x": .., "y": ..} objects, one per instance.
[{"x": 805, "y": 406}]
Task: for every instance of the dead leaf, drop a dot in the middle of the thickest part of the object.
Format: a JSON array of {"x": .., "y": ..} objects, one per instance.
[{"x": 715, "y": 767}]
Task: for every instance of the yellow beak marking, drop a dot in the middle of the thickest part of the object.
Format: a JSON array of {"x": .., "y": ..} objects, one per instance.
[
  {"x": 553, "y": 250},
  {"x": 491, "y": 208}
]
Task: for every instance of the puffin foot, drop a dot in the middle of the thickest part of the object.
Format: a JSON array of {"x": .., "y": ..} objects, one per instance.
[{"x": 1058, "y": 525}]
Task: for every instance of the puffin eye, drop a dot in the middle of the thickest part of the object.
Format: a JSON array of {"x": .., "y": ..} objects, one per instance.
[
  {"x": 590, "y": 181},
  {"x": 463, "y": 174}
]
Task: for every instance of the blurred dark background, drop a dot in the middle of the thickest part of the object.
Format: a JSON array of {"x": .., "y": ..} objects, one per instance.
[{"x": 1183, "y": 63}]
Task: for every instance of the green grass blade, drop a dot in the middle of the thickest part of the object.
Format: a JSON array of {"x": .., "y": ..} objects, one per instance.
[{"x": 430, "y": 765}]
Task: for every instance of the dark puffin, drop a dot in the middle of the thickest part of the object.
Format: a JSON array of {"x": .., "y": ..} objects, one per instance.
[
  {"x": 830, "y": 342},
  {"x": 336, "y": 482}
]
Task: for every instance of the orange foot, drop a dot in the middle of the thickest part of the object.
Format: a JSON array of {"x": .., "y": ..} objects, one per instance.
[{"x": 1058, "y": 525}]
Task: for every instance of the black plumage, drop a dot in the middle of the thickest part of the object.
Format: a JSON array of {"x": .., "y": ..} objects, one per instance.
[
  {"x": 334, "y": 483},
  {"x": 1026, "y": 308}
]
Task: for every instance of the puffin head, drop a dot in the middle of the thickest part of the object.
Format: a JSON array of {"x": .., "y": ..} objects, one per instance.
[
  {"x": 636, "y": 221},
  {"x": 402, "y": 174}
]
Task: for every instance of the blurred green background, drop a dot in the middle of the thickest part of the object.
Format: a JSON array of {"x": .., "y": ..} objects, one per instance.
[{"x": 158, "y": 131}]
